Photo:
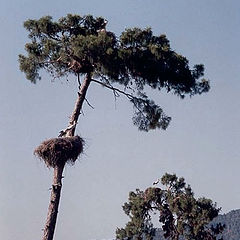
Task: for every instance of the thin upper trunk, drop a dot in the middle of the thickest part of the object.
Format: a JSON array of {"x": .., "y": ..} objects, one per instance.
[
  {"x": 58, "y": 170},
  {"x": 79, "y": 103}
]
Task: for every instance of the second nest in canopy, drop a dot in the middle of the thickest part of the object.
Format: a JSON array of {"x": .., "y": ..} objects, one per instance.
[{"x": 58, "y": 151}]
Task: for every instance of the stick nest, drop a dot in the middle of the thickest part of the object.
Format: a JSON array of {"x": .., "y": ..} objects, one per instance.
[{"x": 58, "y": 151}]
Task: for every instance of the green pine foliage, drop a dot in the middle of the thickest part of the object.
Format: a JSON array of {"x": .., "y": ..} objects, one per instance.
[
  {"x": 181, "y": 215},
  {"x": 231, "y": 231},
  {"x": 135, "y": 60}
]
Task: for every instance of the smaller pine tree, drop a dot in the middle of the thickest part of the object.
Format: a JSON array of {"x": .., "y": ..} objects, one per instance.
[{"x": 181, "y": 215}]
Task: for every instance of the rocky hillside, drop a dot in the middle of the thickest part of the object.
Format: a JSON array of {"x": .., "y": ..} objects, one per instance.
[{"x": 232, "y": 222}]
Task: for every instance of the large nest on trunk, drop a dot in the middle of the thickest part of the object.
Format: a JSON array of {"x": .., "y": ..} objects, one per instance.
[{"x": 58, "y": 151}]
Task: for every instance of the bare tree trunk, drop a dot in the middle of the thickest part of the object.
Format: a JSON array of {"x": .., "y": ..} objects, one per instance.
[
  {"x": 79, "y": 103},
  {"x": 58, "y": 170},
  {"x": 54, "y": 203}
]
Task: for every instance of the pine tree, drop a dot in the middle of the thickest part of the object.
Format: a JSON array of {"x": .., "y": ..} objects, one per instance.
[
  {"x": 181, "y": 215},
  {"x": 134, "y": 61}
]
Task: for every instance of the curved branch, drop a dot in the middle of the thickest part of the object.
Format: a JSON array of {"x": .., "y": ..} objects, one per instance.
[
  {"x": 129, "y": 96},
  {"x": 89, "y": 104}
]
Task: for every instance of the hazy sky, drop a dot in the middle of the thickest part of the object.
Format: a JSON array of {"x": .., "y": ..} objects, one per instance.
[{"x": 201, "y": 143}]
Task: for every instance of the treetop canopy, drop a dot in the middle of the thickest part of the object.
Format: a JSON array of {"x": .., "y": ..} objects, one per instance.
[
  {"x": 135, "y": 59},
  {"x": 181, "y": 215}
]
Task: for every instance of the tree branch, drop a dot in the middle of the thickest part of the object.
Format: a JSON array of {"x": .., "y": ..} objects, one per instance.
[
  {"x": 129, "y": 96},
  {"x": 79, "y": 83},
  {"x": 88, "y": 103},
  {"x": 53, "y": 38}
]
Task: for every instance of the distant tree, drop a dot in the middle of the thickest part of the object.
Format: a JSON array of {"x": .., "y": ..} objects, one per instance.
[
  {"x": 127, "y": 65},
  {"x": 181, "y": 215}
]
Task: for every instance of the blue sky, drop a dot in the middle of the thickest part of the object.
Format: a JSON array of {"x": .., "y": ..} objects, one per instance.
[{"x": 201, "y": 143}]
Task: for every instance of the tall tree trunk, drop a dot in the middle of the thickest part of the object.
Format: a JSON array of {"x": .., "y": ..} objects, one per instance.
[
  {"x": 58, "y": 170},
  {"x": 54, "y": 203}
]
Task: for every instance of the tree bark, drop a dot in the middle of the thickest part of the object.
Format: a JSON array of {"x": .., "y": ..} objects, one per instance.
[
  {"x": 58, "y": 170},
  {"x": 54, "y": 203},
  {"x": 79, "y": 103}
]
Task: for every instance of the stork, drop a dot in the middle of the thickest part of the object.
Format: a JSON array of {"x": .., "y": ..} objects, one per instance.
[
  {"x": 156, "y": 182},
  {"x": 103, "y": 27},
  {"x": 70, "y": 127}
]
